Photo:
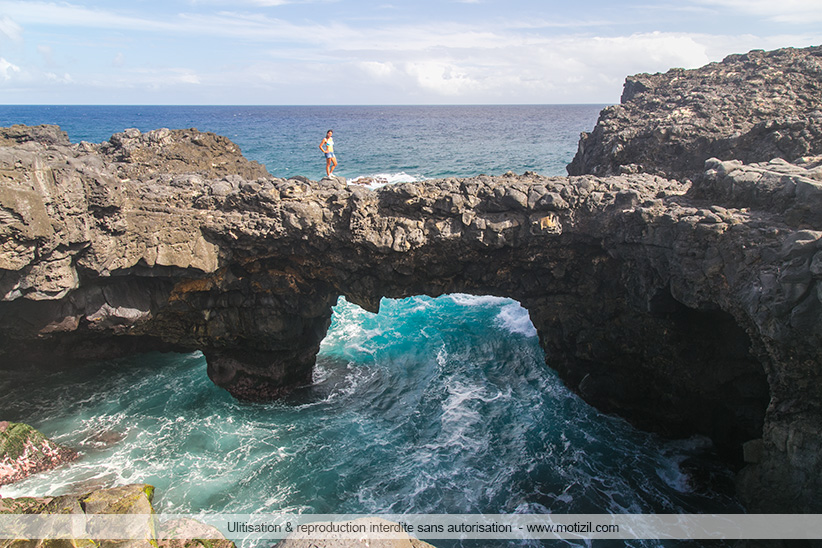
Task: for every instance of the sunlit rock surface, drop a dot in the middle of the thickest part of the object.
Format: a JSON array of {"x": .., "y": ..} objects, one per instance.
[{"x": 685, "y": 307}]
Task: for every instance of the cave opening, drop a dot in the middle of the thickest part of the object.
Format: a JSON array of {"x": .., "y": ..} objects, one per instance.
[{"x": 722, "y": 390}]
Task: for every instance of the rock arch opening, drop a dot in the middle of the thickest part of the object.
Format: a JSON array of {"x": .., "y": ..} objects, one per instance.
[
  {"x": 461, "y": 381},
  {"x": 729, "y": 392}
]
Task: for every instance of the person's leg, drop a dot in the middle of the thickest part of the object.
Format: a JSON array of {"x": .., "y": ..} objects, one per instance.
[
  {"x": 328, "y": 166},
  {"x": 333, "y": 164}
]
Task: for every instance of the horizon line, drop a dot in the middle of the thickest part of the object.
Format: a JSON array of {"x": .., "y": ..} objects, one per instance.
[{"x": 297, "y": 105}]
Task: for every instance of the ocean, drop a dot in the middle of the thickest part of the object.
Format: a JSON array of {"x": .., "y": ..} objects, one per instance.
[
  {"x": 397, "y": 143},
  {"x": 434, "y": 405}
]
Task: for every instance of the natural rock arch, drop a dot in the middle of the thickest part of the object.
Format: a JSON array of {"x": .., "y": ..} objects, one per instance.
[{"x": 118, "y": 248}]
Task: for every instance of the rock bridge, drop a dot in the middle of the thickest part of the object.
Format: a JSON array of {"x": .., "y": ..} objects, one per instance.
[
  {"x": 685, "y": 307},
  {"x": 688, "y": 306}
]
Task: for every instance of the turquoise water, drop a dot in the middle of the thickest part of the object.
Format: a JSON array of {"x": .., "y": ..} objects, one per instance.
[{"x": 432, "y": 406}]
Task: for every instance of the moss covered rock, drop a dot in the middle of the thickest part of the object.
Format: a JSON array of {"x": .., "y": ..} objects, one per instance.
[
  {"x": 25, "y": 451},
  {"x": 136, "y": 499}
]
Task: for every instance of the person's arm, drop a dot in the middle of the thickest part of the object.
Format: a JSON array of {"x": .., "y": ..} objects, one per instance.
[{"x": 322, "y": 143}]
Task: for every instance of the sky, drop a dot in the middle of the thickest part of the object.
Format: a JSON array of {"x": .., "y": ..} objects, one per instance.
[{"x": 351, "y": 52}]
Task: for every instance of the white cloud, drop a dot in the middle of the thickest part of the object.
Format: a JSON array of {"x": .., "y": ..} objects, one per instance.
[
  {"x": 784, "y": 11},
  {"x": 377, "y": 70},
  {"x": 441, "y": 77},
  {"x": 70, "y": 15},
  {"x": 58, "y": 78},
  {"x": 224, "y": 23},
  {"x": 187, "y": 77},
  {"x": 10, "y": 29},
  {"x": 536, "y": 68},
  {"x": 7, "y": 68}
]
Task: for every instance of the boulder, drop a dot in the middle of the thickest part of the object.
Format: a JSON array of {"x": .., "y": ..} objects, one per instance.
[
  {"x": 25, "y": 451},
  {"x": 142, "y": 532}
]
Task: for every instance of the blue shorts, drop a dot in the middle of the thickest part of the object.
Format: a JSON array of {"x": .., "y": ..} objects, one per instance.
[{"x": 329, "y": 155}]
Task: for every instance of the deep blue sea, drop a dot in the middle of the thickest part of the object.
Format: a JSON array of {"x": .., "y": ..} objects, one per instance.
[
  {"x": 396, "y": 142},
  {"x": 438, "y": 405}
]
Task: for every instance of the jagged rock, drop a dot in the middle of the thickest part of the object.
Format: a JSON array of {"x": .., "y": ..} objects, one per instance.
[
  {"x": 687, "y": 308},
  {"x": 752, "y": 107},
  {"x": 792, "y": 190},
  {"x": 25, "y": 451}
]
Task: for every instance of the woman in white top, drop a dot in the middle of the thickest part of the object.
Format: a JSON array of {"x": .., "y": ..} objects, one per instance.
[{"x": 327, "y": 146}]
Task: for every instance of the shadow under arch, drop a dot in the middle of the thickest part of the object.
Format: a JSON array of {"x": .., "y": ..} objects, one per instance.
[
  {"x": 667, "y": 368},
  {"x": 460, "y": 383}
]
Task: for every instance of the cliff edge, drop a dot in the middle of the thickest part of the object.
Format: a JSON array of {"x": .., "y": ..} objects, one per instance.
[
  {"x": 685, "y": 307},
  {"x": 751, "y": 107}
]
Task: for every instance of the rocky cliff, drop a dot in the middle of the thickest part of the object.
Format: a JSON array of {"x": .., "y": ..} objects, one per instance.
[
  {"x": 688, "y": 308},
  {"x": 752, "y": 107}
]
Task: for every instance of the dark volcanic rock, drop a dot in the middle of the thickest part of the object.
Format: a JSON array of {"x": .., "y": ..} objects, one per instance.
[
  {"x": 685, "y": 308},
  {"x": 752, "y": 107}
]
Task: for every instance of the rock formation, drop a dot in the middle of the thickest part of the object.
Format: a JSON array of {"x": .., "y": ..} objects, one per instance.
[
  {"x": 25, "y": 451},
  {"x": 145, "y": 531},
  {"x": 685, "y": 307},
  {"x": 752, "y": 107}
]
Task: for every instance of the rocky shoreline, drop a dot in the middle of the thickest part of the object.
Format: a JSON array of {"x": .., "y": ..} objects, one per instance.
[
  {"x": 25, "y": 451},
  {"x": 146, "y": 531},
  {"x": 675, "y": 281},
  {"x": 751, "y": 107}
]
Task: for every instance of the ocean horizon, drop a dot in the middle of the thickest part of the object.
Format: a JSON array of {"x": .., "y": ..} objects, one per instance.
[{"x": 401, "y": 143}]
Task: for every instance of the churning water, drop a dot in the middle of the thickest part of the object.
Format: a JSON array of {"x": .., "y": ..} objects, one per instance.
[{"x": 432, "y": 406}]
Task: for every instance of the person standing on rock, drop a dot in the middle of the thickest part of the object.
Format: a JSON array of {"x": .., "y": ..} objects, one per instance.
[{"x": 327, "y": 146}]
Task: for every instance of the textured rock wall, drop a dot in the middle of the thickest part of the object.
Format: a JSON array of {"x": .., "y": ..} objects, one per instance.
[
  {"x": 686, "y": 307},
  {"x": 676, "y": 308},
  {"x": 751, "y": 107}
]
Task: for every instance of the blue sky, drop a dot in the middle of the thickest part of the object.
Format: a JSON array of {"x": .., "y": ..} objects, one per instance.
[{"x": 372, "y": 52}]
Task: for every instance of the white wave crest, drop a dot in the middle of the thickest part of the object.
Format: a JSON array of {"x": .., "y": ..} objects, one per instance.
[
  {"x": 382, "y": 179},
  {"x": 514, "y": 318},
  {"x": 464, "y": 299}
]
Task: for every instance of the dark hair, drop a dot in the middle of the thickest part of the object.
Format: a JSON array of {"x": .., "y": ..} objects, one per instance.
[{"x": 330, "y": 130}]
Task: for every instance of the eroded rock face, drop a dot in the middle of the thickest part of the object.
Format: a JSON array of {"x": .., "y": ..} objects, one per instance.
[
  {"x": 676, "y": 308},
  {"x": 688, "y": 308},
  {"x": 751, "y": 107}
]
